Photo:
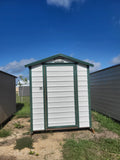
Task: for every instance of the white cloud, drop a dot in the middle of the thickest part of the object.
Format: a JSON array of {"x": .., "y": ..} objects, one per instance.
[
  {"x": 63, "y": 3},
  {"x": 116, "y": 60},
  {"x": 16, "y": 67},
  {"x": 97, "y": 65}
]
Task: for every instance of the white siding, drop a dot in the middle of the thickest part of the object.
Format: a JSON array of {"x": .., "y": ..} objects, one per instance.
[
  {"x": 37, "y": 98},
  {"x": 60, "y": 92},
  {"x": 60, "y": 95},
  {"x": 83, "y": 96}
]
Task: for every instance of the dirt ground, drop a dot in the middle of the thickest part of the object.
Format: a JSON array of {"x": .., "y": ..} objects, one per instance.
[{"x": 47, "y": 145}]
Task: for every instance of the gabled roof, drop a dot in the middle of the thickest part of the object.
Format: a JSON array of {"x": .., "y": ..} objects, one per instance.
[
  {"x": 59, "y": 56},
  {"x": 117, "y": 65},
  {"x": 7, "y": 74}
]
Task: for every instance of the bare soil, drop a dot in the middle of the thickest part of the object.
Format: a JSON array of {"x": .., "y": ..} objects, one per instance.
[{"x": 47, "y": 145}]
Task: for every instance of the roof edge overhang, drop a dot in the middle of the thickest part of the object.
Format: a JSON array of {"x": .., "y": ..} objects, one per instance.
[
  {"x": 104, "y": 69},
  {"x": 8, "y": 74},
  {"x": 58, "y": 56}
]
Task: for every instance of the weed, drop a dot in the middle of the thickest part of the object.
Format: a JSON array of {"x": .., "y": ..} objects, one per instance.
[
  {"x": 26, "y": 133},
  {"x": 37, "y": 154},
  {"x": 5, "y": 133},
  {"x": 60, "y": 143},
  {"x": 72, "y": 136},
  {"x": 18, "y": 125},
  {"x": 25, "y": 142},
  {"x": 32, "y": 152}
]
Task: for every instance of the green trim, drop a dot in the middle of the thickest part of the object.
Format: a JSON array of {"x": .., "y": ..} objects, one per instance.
[
  {"x": 31, "y": 107},
  {"x": 62, "y": 126},
  {"x": 89, "y": 98},
  {"x": 45, "y": 97},
  {"x": 76, "y": 95},
  {"x": 59, "y": 56},
  {"x": 59, "y": 64}
]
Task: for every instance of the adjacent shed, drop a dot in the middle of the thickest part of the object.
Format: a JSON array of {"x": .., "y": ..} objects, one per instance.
[
  {"x": 60, "y": 96},
  {"x": 7, "y": 96},
  {"x": 105, "y": 91}
]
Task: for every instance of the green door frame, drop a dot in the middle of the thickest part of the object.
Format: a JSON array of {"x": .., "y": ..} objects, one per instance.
[{"x": 46, "y": 98}]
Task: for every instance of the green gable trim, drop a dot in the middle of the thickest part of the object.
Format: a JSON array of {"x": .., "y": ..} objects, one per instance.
[
  {"x": 45, "y": 96},
  {"x": 31, "y": 108},
  {"x": 76, "y": 95},
  {"x": 45, "y": 60},
  {"x": 89, "y": 98}
]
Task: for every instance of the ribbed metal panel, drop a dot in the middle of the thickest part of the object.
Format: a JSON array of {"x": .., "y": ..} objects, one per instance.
[
  {"x": 24, "y": 91},
  {"x": 105, "y": 91},
  {"x": 7, "y": 96}
]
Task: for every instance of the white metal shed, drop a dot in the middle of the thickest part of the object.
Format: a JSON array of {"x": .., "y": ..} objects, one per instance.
[{"x": 60, "y": 95}]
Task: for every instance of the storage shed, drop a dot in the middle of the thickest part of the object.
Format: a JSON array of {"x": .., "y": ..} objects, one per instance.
[
  {"x": 105, "y": 91},
  {"x": 7, "y": 96},
  {"x": 60, "y": 95}
]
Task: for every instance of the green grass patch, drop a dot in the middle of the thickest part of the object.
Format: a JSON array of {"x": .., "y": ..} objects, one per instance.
[
  {"x": 5, "y": 133},
  {"x": 103, "y": 149},
  {"x": 18, "y": 125},
  {"x": 25, "y": 142},
  {"x": 24, "y": 111},
  {"x": 107, "y": 122},
  {"x": 32, "y": 152}
]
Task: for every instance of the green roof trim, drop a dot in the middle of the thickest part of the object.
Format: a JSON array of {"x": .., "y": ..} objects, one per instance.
[{"x": 59, "y": 56}]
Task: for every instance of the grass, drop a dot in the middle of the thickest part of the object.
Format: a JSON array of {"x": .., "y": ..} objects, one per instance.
[
  {"x": 95, "y": 149},
  {"x": 5, "y": 133},
  {"x": 107, "y": 122},
  {"x": 18, "y": 125},
  {"x": 33, "y": 153},
  {"x": 25, "y": 142},
  {"x": 24, "y": 112},
  {"x": 102, "y": 149}
]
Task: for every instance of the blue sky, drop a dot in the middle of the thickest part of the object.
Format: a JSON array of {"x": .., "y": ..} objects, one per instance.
[{"x": 32, "y": 30}]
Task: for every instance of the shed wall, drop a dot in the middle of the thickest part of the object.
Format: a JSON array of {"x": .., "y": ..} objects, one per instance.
[
  {"x": 37, "y": 98},
  {"x": 83, "y": 96},
  {"x": 63, "y": 85},
  {"x": 105, "y": 92},
  {"x": 7, "y": 96}
]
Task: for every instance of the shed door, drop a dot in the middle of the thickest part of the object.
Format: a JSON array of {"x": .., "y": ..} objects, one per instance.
[{"x": 60, "y": 96}]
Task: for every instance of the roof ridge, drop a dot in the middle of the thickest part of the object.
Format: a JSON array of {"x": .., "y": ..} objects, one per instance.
[{"x": 75, "y": 60}]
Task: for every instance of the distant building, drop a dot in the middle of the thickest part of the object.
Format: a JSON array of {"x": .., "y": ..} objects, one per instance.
[{"x": 24, "y": 89}]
